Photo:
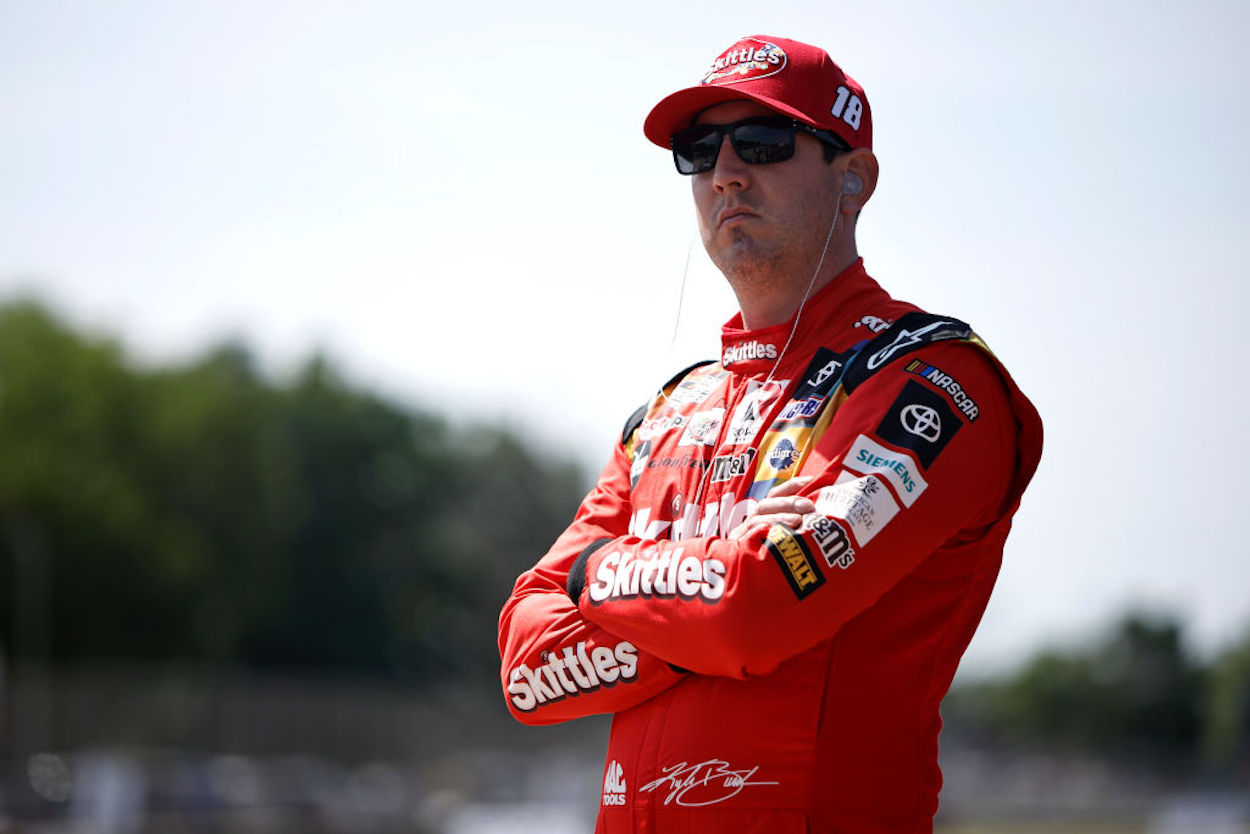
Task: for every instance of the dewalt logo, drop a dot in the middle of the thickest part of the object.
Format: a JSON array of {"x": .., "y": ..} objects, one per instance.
[{"x": 796, "y": 561}]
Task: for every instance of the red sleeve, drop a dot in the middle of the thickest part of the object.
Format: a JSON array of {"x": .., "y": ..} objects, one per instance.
[
  {"x": 885, "y": 502},
  {"x": 556, "y": 665}
]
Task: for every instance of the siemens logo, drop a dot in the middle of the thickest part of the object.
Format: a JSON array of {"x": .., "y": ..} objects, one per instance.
[
  {"x": 900, "y": 470},
  {"x": 874, "y": 463}
]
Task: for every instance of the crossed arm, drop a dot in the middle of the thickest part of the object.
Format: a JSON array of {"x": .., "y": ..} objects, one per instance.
[{"x": 612, "y": 649}]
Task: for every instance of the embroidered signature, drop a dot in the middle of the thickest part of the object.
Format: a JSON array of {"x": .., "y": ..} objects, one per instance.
[{"x": 709, "y": 782}]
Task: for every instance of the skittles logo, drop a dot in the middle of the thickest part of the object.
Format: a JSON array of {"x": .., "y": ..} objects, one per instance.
[{"x": 746, "y": 60}]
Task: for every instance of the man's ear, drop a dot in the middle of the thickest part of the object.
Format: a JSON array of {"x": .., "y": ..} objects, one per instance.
[{"x": 859, "y": 179}]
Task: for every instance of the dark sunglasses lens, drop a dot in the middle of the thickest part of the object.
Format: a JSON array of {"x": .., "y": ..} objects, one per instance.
[
  {"x": 695, "y": 149},
  {"x": 757, "y": 143},
  {"x": 762, "y": 144}
]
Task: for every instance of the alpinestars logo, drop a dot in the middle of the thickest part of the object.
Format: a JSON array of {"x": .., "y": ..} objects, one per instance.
[
  {"x": 614, "y": 784},
  {"x": 748, "y": 351},
  {"x": 905, "y": 339}
]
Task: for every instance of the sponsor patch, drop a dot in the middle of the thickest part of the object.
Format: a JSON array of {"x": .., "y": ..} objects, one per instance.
[
  {"x": 641, "y": 525},
  {"x": 746, "y": 351},
  {"x": 703, "y": 428},
  {"x": 920, "y": 420},
  {"x": 614, "y": 784},
  {"x": 571, "y": 670},
  {"x": 804, "y": 409},
  {"x": 911, "y": 332},
  {"x": 783, "y": 455},
  {"x": 657, "y": 426},
  {"x": 656, "y": 573},
  {"x": 642, "y": 454},
  {"x": 728, "y": 467},
  {"x": 779, "y": 453},
  {"x": 905, "y": 340},
  {"x": 717, "y": 518},
  {"x": 696, "y": 387},
  {"x": 748, "y": 417},
  {"x": 873, "y": 323},
  {"x": 863, "y": 503},
  {"x": 822, "y": 374},
  {"x": 686, "y": 461},
  {"x": 800, "y": 421},
  {"x": 831, "y": 539},
  {"x": 900, "y": 469},
  {"x": 931, "y": 373},
  {"x": 797, "y": 564},
  {"x": 746, "y": 60}
]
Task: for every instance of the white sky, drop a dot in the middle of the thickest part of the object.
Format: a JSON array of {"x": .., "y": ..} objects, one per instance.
[{"x": 457, "y": 204}]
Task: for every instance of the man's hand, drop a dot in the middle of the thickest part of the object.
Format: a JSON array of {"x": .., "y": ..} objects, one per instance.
[{"x": 782, "y": 506}]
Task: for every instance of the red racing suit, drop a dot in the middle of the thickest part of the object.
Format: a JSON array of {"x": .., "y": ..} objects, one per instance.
[{"x": 789, "y": 680}]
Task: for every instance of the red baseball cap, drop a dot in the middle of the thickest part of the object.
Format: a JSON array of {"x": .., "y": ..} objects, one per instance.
[{"x": 793, "y": 78}]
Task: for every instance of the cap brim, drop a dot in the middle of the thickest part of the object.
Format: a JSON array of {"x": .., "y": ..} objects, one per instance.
[{"x": 678, "y": 110}]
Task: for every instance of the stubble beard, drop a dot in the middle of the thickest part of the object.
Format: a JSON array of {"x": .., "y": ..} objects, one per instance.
[{"x": 750, "y": 268}]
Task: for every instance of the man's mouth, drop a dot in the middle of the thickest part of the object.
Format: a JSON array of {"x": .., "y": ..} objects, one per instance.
[{"x": 733, "y": 215}]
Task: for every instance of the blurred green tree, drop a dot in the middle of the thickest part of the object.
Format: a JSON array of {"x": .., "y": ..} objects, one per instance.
[
  {"x": 1134, "y": 695},
  {"x": 1226, "y": 742},
  {"x": 205, "y": 513}
]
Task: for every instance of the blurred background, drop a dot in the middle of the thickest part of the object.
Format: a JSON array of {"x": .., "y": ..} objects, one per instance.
[{"x": 318, "y": 319}]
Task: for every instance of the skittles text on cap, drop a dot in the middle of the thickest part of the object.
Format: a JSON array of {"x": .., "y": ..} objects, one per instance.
[{"x": 793, "y": 78}]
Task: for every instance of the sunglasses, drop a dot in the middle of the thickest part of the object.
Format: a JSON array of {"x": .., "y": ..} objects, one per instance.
[{"x": 761, "y": 140}]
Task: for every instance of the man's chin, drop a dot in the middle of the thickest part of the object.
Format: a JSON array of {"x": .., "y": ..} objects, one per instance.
[
  {"x": 745, "y": 270},
  {"x": 735, "y": 248}
]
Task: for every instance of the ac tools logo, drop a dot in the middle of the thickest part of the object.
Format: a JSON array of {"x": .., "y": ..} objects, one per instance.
[{"x": 614, "y": 784}]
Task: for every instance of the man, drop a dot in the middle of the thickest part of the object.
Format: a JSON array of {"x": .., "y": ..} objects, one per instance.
[{"x": 772, "y": 582}]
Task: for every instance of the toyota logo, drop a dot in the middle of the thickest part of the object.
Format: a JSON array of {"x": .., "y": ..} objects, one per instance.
[{"x": 922, "y": 421}]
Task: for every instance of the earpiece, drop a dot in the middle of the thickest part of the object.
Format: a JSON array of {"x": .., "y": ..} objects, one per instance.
[{"x": 851, "y": 183}]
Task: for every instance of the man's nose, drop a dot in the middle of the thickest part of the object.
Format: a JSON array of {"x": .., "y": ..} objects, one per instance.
[{"x": 730, "y": 170}]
